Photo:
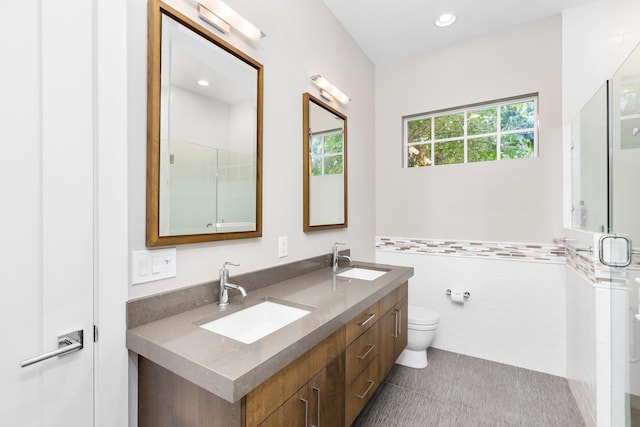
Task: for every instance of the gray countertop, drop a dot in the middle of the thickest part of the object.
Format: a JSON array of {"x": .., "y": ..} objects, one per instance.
[{"x": 231, "y": 369}]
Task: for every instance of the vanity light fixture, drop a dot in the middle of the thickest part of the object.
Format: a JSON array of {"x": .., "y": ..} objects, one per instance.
[
  {"x": 330, "y": 89},
  {"x": 445, "y": 20},
  {"x": 326, "y": 95},
  {"x": 221, "y": 16}
]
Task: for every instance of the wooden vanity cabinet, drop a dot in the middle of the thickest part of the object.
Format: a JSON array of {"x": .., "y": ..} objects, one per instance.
[
  {"x": 375, "y": 339},
  {"x": 310, "y": 388},
  {"x": 328, "y": 385}
]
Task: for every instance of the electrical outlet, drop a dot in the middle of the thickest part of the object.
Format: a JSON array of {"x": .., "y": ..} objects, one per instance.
[{"x": 283, "y": 247}]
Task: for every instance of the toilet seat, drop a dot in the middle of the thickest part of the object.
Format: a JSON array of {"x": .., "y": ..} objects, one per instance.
[{"x": 422, "y": 316}]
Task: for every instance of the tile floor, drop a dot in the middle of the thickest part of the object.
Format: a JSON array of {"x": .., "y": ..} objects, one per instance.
[{"x": 458, "y": 390}]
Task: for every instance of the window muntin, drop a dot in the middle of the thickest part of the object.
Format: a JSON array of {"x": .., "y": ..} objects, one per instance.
[
  {"x": 327, "y": 153},
  {"x": 492, "y": 131}
]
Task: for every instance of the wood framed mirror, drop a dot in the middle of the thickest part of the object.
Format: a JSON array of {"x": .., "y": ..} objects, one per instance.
[
  {"x": 204, "y": 136},
  {"x": 324, "y": 142}
]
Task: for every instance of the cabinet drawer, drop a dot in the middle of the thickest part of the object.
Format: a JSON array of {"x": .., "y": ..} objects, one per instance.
[
  {"x": 362, "y": 322},
  {"x": 361, "y": 352},
  {"x": 360, "y": 391},
  {"x": 393, "y": 298}
]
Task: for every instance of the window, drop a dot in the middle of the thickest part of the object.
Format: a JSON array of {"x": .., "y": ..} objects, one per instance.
[
  {"x": 327, "y": 153},
  {"x": 492, "y": 131}
]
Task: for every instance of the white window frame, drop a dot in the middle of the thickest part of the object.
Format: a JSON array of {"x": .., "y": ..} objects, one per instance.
[{"x": 465, "y": 110}]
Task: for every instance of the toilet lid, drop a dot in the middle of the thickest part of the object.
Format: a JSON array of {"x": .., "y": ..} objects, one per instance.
[{"x": 422, "y": 316}]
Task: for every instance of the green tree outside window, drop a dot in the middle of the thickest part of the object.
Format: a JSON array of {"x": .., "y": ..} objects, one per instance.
[{"x": 499, "y": 130}]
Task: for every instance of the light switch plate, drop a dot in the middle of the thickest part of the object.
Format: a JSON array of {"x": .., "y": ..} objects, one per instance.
[{"x": 157, "y": 264}]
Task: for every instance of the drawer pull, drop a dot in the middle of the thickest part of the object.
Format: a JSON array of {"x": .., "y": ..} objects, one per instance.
[
  {"x": 371, "y": 347},
  {"x": 371, "y": 316},
  {"x": 361, "y": 396}
]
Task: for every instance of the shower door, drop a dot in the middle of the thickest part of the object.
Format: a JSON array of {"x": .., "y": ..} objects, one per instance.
[{"x": 622, "y": 246}]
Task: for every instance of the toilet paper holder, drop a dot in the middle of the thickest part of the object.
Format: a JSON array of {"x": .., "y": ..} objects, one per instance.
[{"x": 466, "y": 295}]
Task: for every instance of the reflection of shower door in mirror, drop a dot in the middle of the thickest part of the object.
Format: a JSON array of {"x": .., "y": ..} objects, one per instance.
[
  {"x": 624, "y": 205},
  {"x": 207, "y": 190},
  {"x": 191, "y": 189}
]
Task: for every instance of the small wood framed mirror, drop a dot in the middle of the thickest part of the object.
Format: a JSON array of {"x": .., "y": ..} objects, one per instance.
[{"x": 324, "y": 141}]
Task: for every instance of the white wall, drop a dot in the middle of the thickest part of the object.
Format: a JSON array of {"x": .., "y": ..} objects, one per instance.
[
  {"x": 291, "y": 52},
  {"x": 511, "y": 200},
  {"x": 201, "y": 120},
  {"x": 515, "y": 314}
]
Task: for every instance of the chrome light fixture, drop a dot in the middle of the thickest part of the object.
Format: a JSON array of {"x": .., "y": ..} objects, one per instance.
[
  {"x": 328, "y": 88},
  {"x": 222, "y": 17}
]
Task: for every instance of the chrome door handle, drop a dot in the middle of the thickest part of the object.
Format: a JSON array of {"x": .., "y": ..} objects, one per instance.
[
  {"x": 67, "y": 343},
  {"x": 627, "y": 246}
]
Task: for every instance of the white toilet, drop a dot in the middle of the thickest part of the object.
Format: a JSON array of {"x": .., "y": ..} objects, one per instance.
[{"x": 423, "y": 323}]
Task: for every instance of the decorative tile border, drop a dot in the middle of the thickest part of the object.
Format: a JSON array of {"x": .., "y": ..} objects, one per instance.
[
  {"x": 496, "y": 250},
  {"x": 585, "y": 263}
]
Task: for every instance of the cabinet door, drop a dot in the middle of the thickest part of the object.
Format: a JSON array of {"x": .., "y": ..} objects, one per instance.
[
  {"x": 272, "y": 394},
  {"x": 294, "y": 412},
  {"x": 393, "y": 336},
  {"x": 326, "y": 396},
  {"x": 388, "y": 331},
  {"x": 318, "y": 403},
  {"x": 400, "y": 340}
]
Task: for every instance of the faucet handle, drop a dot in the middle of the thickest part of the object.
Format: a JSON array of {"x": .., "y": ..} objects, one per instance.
[
  {"x": 224, "y": 266},
  {"x": 338, "y": 243}
]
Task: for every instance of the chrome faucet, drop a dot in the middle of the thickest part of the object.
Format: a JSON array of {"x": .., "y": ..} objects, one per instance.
[
  {"x": 337, "y": 257},
  {"x": 223, "y": 298}
]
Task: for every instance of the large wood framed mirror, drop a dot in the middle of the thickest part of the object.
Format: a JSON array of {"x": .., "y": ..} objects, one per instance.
[
  {"x": 204, "y": 136},
  {"x": 324, "y": 141}
]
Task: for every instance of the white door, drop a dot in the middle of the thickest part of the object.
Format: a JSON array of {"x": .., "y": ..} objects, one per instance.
[{"x": 46, "y": 210}]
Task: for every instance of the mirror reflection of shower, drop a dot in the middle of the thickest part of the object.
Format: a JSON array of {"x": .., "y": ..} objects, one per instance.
[{"x": 207, "y": 190}]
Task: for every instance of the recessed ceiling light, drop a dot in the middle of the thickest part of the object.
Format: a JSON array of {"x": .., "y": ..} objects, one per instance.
[
  {"x": 445, "y": 20},
  {"x": 203, "y": 83}
]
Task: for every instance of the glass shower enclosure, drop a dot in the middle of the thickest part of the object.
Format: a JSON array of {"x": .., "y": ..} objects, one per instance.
[
  {"x": 606, "y": 201},
  {"x": 620, "y": 249}
]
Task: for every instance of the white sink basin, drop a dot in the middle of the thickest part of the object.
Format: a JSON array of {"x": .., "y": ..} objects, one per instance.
[
  {"x": 361, "y": 273},
  {"x": 255, "y": 322}
]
